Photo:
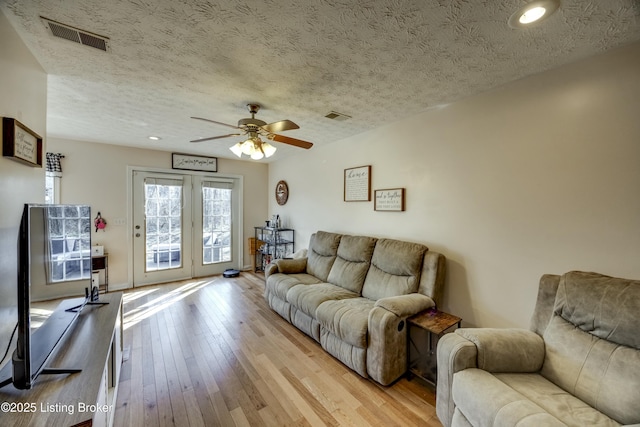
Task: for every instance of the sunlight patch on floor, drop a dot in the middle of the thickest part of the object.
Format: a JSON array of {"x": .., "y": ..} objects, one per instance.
[{"x": 152, "y": 307}]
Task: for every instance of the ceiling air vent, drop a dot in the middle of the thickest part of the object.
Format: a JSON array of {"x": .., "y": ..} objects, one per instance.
[
  {"x": 76, "y": 35},
  {"x": 337, "y": 116}
]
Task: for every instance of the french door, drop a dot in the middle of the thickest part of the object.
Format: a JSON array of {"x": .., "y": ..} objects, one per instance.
[{"x": 184, "y": 226}]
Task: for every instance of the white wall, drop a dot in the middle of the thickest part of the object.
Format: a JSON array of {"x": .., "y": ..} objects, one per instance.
[
  {"x": 538, "y": 176},
  {"x": 23, "y": 96},
  {"x": 96, "y": 174}
]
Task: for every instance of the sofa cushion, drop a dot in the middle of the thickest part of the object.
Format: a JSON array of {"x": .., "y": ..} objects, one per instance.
[
  {"x": 487, "y": 399},
  {"x": 352, "y": 262},
  {"x": 279, "y": 284},
  {"x": 347, "y": 319},
  {"x": 395, "y": 269},
  {"x": 323, "y": 248},
  {"x": 602, "y": 372},
  {"x": 307, "y": 298}
]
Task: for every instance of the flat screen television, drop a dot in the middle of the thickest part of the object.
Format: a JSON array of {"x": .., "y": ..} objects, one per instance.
[{"x": 54, "y": 245}]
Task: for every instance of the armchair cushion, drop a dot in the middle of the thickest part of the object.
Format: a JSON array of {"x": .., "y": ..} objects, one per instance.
[
  {"x": 506, "y": 350},
  {"x": 520, "y": 399}
]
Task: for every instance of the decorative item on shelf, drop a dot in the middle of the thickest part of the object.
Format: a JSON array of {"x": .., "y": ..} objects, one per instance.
[
  {"x": 282, "y": 192},
  {"x": 99, "y": 222},
  {"x": 274, "y": 243},
  {"x": 357, "y": 184},
  {"x": 21, "y": 143}
]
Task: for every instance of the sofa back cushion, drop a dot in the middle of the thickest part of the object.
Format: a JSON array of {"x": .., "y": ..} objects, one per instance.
[
  {"x": 323, "y": 248},
  {"x": 352, "y": 262},
  {"x": 592, "y": 343},
  {"x": 395, "y": 269}
]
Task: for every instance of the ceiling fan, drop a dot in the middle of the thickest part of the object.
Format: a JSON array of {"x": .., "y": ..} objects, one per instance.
[{"x": 254, "y": 128}]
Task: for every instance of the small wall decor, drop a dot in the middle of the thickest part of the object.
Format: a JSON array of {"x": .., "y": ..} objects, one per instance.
[
  {"x": 194, "y": 163},
  {"x": 100, "y": 222},
  {"x": 357, "y": 184},
  {"x": 21, "y": 143},
  {"x": 391, "y": 199},
  {"x": 282, "y": 192}
]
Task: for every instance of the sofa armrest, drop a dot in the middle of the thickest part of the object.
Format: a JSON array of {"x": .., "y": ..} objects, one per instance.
[
  {"x": 270, "y": 269},
  {"x": 454, "y": 353},
  {"x": 286, "y": 266},
  {"x": 492, "y": 350},
  {"x": 387, "y": 347},
  {"x": 506, "y": 350},
  {"x": 405, "y": 305}
]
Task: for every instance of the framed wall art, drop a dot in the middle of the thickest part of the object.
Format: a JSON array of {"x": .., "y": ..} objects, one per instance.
[
  {"x": 357, "y": 184},
  {"x": 21, "y": 143},
  {"x": 391, "y": 200},
  {"x": 194, "y": 163}
]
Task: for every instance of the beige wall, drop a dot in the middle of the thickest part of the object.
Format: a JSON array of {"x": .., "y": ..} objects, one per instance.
[
  {"x": 23, "y": 96},
  {"x": 96, "y": 174},
  {"x": 538, "y": 176}
]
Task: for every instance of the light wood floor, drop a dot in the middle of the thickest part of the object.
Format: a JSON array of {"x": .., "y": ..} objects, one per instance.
[{"x": 211, "y": 352}]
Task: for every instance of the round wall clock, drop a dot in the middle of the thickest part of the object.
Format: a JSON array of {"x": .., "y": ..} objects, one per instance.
[{"x": 282, "y": 192}]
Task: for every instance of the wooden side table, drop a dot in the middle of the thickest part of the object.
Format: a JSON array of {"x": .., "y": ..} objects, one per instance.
[
  {"x": 101, "y": 262},
  {"x": 424, "y": 329}
]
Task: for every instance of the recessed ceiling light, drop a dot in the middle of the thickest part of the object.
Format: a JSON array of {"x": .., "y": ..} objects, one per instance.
[
  {"x": 532, "y": 13},
  {"x": 155, "y": 138}
]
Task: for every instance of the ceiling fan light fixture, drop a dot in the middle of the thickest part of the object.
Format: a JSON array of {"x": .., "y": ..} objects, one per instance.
[
  {"x": 237, "y": 149},
  {"x": 268, "y": 149},
  {"x": 533, "y": 13}
]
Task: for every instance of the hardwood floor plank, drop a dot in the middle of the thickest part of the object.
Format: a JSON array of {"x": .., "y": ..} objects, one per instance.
[{"x": 210, "y": 352}]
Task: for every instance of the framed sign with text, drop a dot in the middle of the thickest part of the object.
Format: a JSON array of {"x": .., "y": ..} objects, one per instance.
[
  {"x": 391, "y": 199},
  {"x": 21, "y": 143},
  {"x": 357, "y": 184},
  {"x": 194, "y": 163}
]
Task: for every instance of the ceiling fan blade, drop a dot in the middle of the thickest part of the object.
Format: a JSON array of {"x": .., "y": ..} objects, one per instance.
[
  {"x": 218, "y": 123},
  {"x": 280, "y": 126},
  {"x": 292, "y": 141},
  {"x": 215, "y": 137}
]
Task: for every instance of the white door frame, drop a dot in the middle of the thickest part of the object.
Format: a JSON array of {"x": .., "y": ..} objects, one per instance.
[{"x": 239, "y": 255}]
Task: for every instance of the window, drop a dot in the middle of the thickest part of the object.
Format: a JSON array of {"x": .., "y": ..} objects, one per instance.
[
  {"x": 52, "y": 180},
  {"x": 69, "y": 232},
  {"x": 216, "y": 222},
  {"x": 52, "y": 190}
]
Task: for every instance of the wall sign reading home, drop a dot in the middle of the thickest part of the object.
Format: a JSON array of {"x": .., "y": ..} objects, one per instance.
[
  {"x": 389, "y": 200},
  {"x": 357, "y": 184}
]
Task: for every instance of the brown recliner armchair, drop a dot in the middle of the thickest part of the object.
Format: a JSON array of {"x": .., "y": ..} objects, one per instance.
[{"x": 578, "y": 365}]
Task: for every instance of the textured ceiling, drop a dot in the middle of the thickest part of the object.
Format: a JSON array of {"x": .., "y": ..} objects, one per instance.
[{"x": 374, "y": 60}]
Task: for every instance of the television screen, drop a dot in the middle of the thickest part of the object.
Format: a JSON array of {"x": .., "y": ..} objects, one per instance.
[{"x": 54, "y": 246}]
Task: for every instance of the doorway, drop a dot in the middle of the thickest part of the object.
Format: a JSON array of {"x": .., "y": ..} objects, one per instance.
[{"x": 184, "y": 225}]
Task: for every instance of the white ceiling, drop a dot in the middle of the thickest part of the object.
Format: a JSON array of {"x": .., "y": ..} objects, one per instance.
[{"x": 375, "y": 60}]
